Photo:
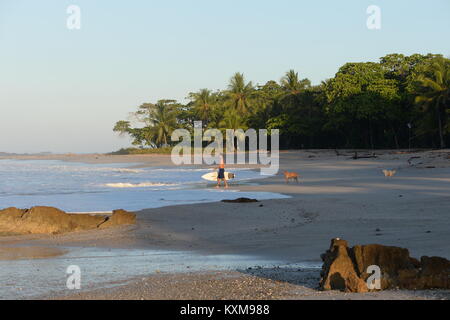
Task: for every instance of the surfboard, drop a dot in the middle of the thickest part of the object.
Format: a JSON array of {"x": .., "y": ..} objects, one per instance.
[{"x": 212, "y": 176}]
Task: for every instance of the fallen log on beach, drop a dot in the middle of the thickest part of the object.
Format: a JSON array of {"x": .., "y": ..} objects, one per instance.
[
  {"x": 356, "y": 156},
  {"x": 412, "y": 158}
]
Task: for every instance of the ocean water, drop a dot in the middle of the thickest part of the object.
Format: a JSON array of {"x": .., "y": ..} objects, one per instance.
[{"x": 79, "y": 187}]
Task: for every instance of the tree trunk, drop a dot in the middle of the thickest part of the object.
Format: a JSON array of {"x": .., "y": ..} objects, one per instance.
[
  {"x": 397, "y": 146},
  {"x": 370, "y": 134},
  {"x": 441, "y": 134}
]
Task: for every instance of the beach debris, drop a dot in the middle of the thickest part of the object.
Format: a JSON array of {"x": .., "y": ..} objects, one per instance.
[
  {"x": 368, "y": 156},
  {"x": 346, "y": 269},
  {"x": 240, "y": 200},
  {"x": 49, "y": 220},
  {"x": 411, "y": 159},
  {"x": 389, "y": 173}
]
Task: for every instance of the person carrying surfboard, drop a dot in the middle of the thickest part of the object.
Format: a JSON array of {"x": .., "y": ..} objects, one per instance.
[{"x": 221, "y": 173}]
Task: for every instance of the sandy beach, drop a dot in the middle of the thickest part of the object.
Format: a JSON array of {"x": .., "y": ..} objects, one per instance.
[{"x": 337, "y": 196}]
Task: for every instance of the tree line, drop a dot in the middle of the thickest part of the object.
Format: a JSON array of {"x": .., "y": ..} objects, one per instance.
[{"x": 399, "y": 102}]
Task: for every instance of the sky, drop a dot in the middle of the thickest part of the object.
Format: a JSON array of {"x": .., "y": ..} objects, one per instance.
[{"x": 62, "y": 90}]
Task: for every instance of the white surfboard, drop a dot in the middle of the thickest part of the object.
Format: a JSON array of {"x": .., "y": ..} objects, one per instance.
[{"x": 212, "y": 176}]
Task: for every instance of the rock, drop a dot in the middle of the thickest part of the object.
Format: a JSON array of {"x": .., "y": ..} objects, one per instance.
[
  {"x": 49, "y": 220},
  {"x": 119, "y": 217},
  {"x": 434, "y": 273},
  {"x": 338, "y": 271},
  {"x": 240, "y": 200},
  {"x": 389, "y": 259},
  {"x": 346, "y": 268},
  {"x": 9, "y": 215}
]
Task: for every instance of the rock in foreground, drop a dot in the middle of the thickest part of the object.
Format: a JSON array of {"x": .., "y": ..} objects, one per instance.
[
  {"x": 346, "y": 268},
  {"x": 49, "y": 220}
]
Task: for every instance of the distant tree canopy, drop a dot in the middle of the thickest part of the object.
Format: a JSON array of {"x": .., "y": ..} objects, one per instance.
[{"x": 400, "y": 101}]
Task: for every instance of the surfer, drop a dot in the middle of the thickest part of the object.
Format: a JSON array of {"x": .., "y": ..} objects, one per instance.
[{"x": 221, "y": 173}]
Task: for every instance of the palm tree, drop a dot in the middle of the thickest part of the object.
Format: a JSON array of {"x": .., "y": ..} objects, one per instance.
[
  {"x": 292, "y": 87},
  {"x": 434, "y": 88},
  {"x": 203, "y": 102},
  {"x": 122, "y": 127},
  {"x": 161, "y": 119},
  {"x": 239, "y": 93},
  {"x": 291, "y": 83},
  {"x": 232, "y": 120}
]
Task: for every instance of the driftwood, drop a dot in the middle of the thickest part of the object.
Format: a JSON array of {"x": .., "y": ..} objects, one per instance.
[
  {"x": 355, "y": 156},
  {"x": 412, "y": 158}
]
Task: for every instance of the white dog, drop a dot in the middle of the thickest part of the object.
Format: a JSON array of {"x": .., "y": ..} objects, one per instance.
[{"x": 389, "y": 173}]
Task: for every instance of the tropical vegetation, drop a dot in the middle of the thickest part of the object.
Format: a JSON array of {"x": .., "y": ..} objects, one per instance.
[{"x": 399, "y": 102}]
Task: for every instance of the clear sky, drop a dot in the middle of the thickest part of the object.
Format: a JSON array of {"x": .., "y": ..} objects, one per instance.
[{"x": 62, "y": 90}]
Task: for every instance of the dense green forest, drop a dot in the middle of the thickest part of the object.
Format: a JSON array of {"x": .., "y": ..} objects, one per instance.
[{"x": 399, "y": 102}]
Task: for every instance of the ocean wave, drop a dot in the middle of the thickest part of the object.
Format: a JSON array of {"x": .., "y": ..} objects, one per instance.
[
  {"x": 100, "y": 169},
  {"x": 65, "y": 168},
  {"x": 139, "y": 185},
  {"x": 184, "y": 169},
  {"x": 124, "y": 170},
  {"x": 178, "y": 170}
]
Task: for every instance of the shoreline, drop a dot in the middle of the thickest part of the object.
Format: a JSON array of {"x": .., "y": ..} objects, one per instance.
[{"x": 336, "y": 197}]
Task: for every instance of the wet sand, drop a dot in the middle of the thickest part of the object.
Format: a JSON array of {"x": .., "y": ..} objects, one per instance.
[
  {"x": 336, "y": 197},
  {"x": 35, "y": 252}
]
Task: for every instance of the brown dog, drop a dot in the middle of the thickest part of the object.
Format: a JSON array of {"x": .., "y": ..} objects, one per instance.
[{"x": 290, "y": 175}]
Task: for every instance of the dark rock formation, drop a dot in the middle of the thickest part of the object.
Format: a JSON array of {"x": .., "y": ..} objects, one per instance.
[
  {"x": 345, "y": 268},
  {"x": 240, "y": 200},
  {"x": 390, "y": 260},
  {"x": 338, "y": 270},
  {"x": 49, "y": 220}
]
